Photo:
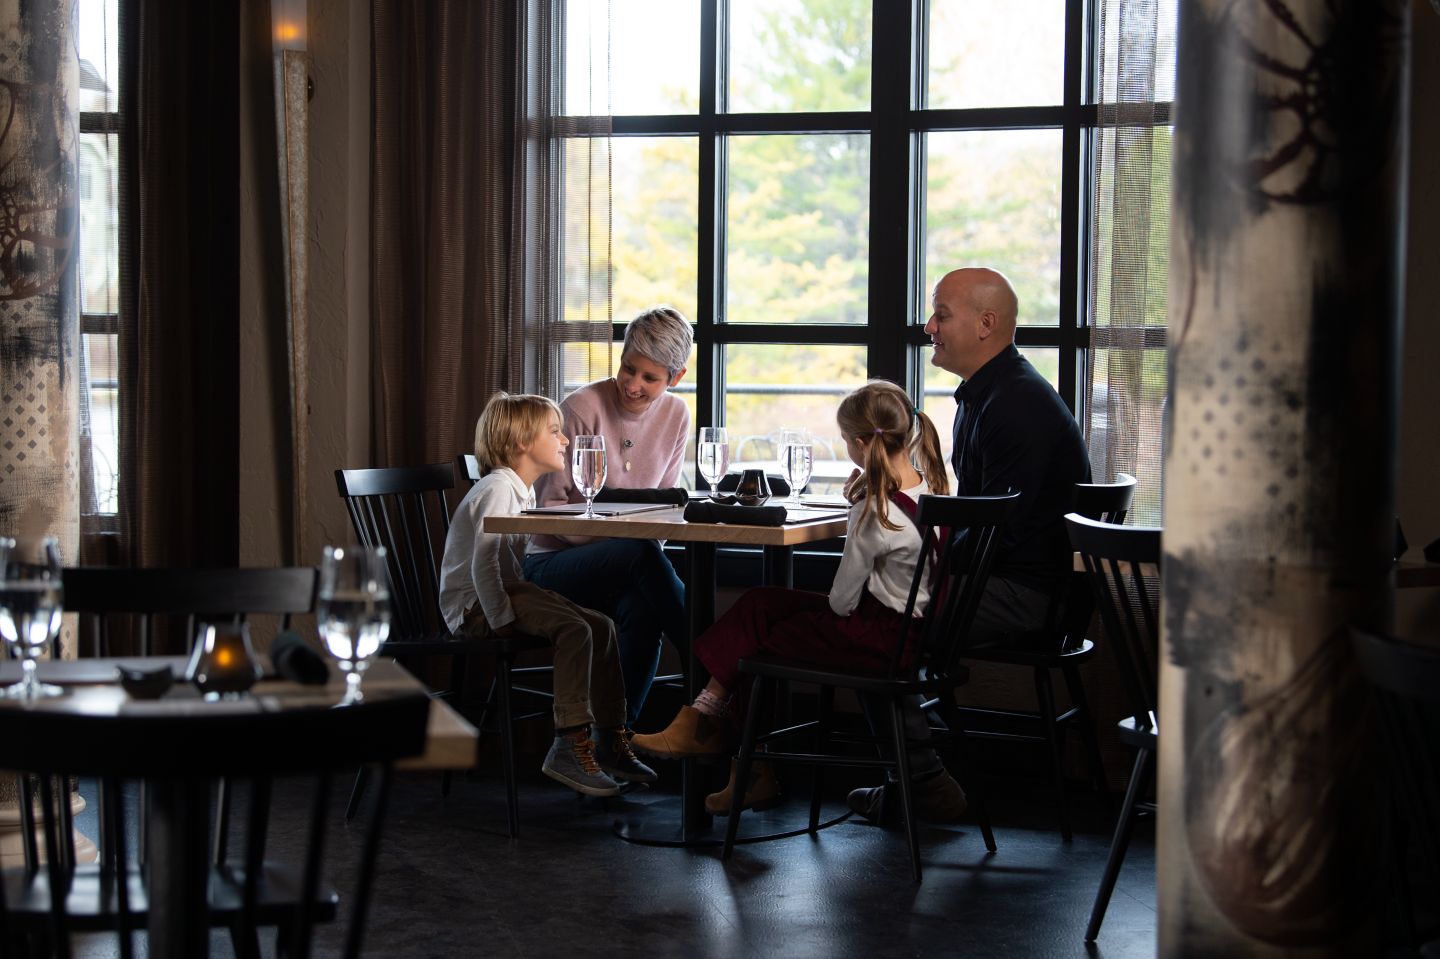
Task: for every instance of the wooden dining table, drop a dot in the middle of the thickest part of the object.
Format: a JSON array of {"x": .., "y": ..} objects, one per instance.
[
  {"x": 812, "y": 524},
  {"x": 176, "y": 742}
]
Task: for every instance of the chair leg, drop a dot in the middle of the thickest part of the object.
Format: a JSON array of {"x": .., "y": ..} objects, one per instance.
[
  {"x": 758, "y": 688},
  {"x": 362, "y": 779},
  {"x": 507, "y": 743},
  {"x": 822, "y": 742},
  {"x": 907, "y": 800},
  {"x": 1086, "y": 720},
  {"x": 1121, "y": 841},
  {"x": 1045, "y": 697},
  {"x": 974, "y": 783}
]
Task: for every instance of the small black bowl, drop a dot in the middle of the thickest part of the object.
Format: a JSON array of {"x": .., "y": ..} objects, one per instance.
[{"x": 145, "y": 683}]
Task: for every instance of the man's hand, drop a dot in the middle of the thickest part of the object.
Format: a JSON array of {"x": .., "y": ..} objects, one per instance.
[
  {"x": 507, "y": 630},
  {"x": 854, "y": 490}
]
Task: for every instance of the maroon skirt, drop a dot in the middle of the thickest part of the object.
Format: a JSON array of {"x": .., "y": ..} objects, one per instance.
[{"x": 800, "y": 625}]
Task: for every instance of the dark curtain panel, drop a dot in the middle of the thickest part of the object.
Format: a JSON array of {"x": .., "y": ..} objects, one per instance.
[
  {"x": 444, "y": 101},
  {"x": 179, "y": 316}
]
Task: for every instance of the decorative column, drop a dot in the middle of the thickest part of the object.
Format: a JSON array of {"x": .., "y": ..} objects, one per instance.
[
  {"x": 1285, "y": 300},
  {"x": 39, "y": 305}
]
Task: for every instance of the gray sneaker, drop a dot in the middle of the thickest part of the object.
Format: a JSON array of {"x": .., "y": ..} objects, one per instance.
[
  {"x": 571, "y": 761},
  {"x": 614, "y": 755}
]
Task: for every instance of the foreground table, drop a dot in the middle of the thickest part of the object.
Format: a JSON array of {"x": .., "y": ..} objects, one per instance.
[
  {"x": 179, "y": 743},
  {"x": 700, "y": 540}
]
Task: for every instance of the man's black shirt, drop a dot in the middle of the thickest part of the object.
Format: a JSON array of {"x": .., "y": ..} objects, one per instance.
[{"x": 1013, "y": 432}]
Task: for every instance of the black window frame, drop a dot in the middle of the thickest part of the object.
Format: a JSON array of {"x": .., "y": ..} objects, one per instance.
[{"x": 896, "y": 123}]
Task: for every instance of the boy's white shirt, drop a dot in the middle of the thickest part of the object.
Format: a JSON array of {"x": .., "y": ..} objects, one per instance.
[
  {"x": 476, "y": 564},
  {"x": 881, "y": 559}
]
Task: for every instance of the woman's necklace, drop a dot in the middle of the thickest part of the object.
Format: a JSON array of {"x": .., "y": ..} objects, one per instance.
[{"x": 627, "y": 444}]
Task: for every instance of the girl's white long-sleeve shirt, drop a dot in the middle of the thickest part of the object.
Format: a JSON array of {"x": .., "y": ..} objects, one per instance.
[
  {"x": 879, "y": 559},
  {"x": 477, "y": 565}
]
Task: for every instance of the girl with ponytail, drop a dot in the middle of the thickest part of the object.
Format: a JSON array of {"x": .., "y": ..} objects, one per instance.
[{"x": 855, "y": 627}]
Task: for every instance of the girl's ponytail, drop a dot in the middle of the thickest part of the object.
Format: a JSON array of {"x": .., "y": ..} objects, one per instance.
[{"x": 880, "y": 413}]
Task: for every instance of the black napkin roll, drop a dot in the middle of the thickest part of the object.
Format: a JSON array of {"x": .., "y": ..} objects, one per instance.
[
  {"x": 675, "y": 496},
  {"x": 778, "y": 486},
  {"x": 702, "y": 512},
  {"x": 296, "y": 661}
]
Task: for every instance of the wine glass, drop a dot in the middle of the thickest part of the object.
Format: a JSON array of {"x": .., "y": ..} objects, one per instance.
[
  {"x": 712, "y": 455},
  {"x": 31, "y": 599},
  {"x": 796, "y": 460},
  {"x": 588, "y": 468},
  {"x": 352, "y": 610}
]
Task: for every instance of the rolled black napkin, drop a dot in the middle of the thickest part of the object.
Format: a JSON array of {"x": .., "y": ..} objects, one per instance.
[
  {"x": 1401, "y": 545},
  {"x": 296, "y": 661},
  {"x": 675, "y": 496},
  {"x": 702, "y": 512},
  {"x": 778, "y": 486},
  {"x": 1432, "y": 552}
]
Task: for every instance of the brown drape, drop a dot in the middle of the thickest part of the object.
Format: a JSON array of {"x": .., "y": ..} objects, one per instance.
[
  {"x": 444, "y": 95},
  {"x": 179, "y": 329}
]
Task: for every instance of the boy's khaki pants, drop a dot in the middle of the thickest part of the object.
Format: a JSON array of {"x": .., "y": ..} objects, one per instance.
[{"x": 588, "y": 684}]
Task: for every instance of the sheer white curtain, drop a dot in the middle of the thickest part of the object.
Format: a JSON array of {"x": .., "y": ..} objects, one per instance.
[
  {"x": 1129, "y": 245},
  {"x": 561, "y": 224}
]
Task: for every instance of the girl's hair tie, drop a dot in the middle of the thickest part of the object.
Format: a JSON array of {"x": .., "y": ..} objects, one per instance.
[{"x": 879, "y": 430}]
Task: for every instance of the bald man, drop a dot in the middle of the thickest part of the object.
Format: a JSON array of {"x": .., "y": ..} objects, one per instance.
[{"x": 1012, "y": 432}]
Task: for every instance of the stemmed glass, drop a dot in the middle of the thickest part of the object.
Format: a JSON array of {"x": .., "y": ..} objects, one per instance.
[
  {"x": 587, "y": 467},
  {"x": 31, "y": 599},
  {"x": 796, "y": 458},
  {"x": 353, "y": 610},
  {"x": 712, "y": 455}
]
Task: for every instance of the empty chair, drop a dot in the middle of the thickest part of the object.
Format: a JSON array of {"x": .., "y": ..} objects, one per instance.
[
  {"x": 1123, "y": 564},
  {"x": 158, "y": 601},
  {"x": 404, "y": 509},
  {"x": 963, "y": 566},
  {"x": 1060, "y": 646},
  {"x": 191, "y": 882}
]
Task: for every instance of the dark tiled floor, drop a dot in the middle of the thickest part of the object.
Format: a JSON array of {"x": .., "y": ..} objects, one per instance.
[{"x": 452, "y": 884}]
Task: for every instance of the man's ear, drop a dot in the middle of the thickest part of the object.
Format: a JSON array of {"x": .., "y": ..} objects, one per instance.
[
  {"x": 989, "y": 320},
  {"x": 678, "y": 377}
]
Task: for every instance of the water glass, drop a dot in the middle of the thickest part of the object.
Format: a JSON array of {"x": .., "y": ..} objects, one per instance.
[
  {"x": 587, "y": 468},
  {"x": 353, "y": 610},
  {"x": 31, "y": 600},
  {"x": 796, "y": 459},
  {"x": 712, "y": 455}
]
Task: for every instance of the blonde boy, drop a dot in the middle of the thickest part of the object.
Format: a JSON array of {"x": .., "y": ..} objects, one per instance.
[{"x": 483, "y": 592}]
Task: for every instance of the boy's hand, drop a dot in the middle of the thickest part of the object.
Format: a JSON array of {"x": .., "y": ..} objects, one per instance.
[{"x": 854, "y": 489}]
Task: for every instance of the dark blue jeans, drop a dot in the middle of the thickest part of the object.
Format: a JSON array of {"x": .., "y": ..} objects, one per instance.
[{"x": 632, "y": 582}]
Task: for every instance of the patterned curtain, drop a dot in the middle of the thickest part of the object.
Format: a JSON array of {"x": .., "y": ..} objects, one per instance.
[
  {"x": 1129, "y": 244},
  {"x": 39, "y": 309}
]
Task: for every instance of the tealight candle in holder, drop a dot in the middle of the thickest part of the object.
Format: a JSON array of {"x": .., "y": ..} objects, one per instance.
[{"x": 223, "y": 662}]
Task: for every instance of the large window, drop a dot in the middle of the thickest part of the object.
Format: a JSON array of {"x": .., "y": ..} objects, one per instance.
[
  {"x": 796, "y": 175},
  {"x": 97, "y": 43}
]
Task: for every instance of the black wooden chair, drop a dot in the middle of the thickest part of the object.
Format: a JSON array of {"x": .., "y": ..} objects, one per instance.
[
  {"x": 935, "y": 673},
  {"x": 190, "y": 882},
  {"x": 1061, "y": 646},
  {"x": 1406, "y": 683},
  {"x": 1123, "y": 565},
  {"x": 405, "y": 510},
  {"x": 160, "y": 601}
]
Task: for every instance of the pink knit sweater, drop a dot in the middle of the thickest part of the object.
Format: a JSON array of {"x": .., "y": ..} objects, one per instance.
[{"x": 654, "y": 457}]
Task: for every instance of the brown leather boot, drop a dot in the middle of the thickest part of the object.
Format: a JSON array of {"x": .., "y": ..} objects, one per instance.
[
  {"x": 763, "y": 791},
  {"x": 690, "y": 733}
]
